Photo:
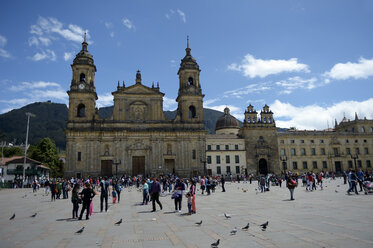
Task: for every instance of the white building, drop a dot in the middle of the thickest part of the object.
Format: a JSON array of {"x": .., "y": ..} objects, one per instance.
[
  {"x": 12, "y": 168},
  {"x": 225, "y": 150}
]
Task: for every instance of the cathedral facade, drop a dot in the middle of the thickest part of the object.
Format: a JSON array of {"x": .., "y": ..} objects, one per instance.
[{"x": 137, "y": 138}]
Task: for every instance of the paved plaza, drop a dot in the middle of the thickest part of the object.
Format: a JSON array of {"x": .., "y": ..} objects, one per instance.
[{"x": 322, "y": 218}]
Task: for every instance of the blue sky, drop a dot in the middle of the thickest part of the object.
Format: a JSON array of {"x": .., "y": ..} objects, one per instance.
[{"x": 310, "y": 61}]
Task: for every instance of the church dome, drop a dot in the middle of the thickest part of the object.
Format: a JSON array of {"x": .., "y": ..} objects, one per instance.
[{"x": 227, "y": 121}]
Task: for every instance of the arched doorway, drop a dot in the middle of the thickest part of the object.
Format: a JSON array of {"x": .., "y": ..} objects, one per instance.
[{"x": 263, "y": 168}]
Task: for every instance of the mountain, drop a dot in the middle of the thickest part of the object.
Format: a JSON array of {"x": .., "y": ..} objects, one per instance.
[
  {"x": 49, "y": 121},
  {"x": 51, "y": 118}
]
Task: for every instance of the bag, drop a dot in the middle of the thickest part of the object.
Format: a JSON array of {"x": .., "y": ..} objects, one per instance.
[
  {"x": 80, "y": 201},
  {"x": 174, "y": 195}
]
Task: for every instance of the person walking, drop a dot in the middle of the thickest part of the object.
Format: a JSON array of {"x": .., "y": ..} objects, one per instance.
[
  {"x": 222, "y": 181},
  {"x": 104, "y": 184},
  {"x": 53, "y": 191},
  {"x": 87, "y": 195},
  {"x": 118, "y": 190},
  {"x": 352, "y": 178},
  {"x": 155, "y": 190},
  {"x": 75, "y": 200},
  {"x": 193, "y": 193},
  {"x": 145, "y": 193},
  {"x": 291, "y": 186},
  {"x": 179, "y": 190}
]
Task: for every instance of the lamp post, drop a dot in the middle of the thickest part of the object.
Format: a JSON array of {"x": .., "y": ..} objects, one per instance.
[
  {"x": 284, "y": 159},
  {"x": 26, "y": 147},
  {"x": 117, "y": 162},
  {"x": 354, "y": 157},
  {"x": 203, "y": 160}
]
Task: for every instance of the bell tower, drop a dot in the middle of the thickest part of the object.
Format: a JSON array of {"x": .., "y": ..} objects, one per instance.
[
  {"x": 82, "y": 93},
  {"x": 190, "y": 97}
]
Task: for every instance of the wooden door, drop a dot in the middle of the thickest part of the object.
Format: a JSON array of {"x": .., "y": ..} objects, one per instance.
[
  {"x": 138, "y": 165},
  {"x": 106, "y": 168}
]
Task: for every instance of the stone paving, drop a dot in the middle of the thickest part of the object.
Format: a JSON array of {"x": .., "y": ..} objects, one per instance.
[{"x": 322, "y": 218}]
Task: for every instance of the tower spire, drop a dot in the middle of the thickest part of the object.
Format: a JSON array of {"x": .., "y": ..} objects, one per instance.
[
  {"x": 85, "y": 44},
  {"x": 187, "y": 49}
]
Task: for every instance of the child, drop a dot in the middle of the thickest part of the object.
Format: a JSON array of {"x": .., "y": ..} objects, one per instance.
[
  {"x": 189, "y": 197},
  {"x": 114, "y": 194}
]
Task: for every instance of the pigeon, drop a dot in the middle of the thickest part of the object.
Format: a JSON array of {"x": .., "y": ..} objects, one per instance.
[
  {"x": 119, "y": 222},
  {"x": 246, "y": 227},
  {"x": 34, "y": 215},
  {"x": 227, "y": 216},
  {"x": 234, "y": 231},
  {"x": 336, "y": 191},
  {"x": 337, "y": 185},
  {"x": 80, "y": 230},
  {"x": 264, "y": 225},
  {"x": 13, "y": 216},
  {"x": 216, "y": 243},
  {"x": 198, "y": 223}
]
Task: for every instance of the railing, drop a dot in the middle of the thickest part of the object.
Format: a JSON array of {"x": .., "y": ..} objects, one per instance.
[{"x": 27, "y": 172}]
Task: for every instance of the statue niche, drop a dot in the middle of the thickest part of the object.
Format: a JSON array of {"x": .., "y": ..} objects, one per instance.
[{"x": 138, "y": 111}]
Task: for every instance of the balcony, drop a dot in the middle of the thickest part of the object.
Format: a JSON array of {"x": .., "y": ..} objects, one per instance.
[{"x": 29, "y": 172}]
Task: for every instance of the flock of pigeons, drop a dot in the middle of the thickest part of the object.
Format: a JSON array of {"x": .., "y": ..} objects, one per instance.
[{"x": 234, "y": 231}]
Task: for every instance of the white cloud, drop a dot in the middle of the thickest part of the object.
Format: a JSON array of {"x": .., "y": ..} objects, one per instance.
[
  {"x": 48, "y": 54},
  {"x": 105, "y": 100},
  {"x": 34, "y": 85},
  {"x": 169, "y": 104},
  {"x": 3, "y": 41},
  {"x": 58, "y": 94},
  {"x": 45, "y": 41},
  {"x": 111, "y": 34},
  {"x": 108, "y": 25},
  {"x": 35, "y": 92},
  {"x": 4, "y": 53},
  {"x": 362, "y": 69},
  {"x": 317, "y": 117},
  {"x": 67, "y": 56},
  {"x": 296, "y": 82},
  {"x": 46, "y": 28},
  {"x": 172, "y": 12},
  {"x": 33, "y": 41},
  {"x": 252, "y": 67},
  {"x": 182, "y": 15},
  {"x": 127, "y": 23},
  {"x": 249, "y": 89}
]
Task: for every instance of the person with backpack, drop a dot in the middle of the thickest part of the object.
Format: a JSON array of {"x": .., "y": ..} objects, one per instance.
[{"x": 291, "y": 186}]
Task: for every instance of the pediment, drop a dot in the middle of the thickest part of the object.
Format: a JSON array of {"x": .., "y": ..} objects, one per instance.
[{"x": 141, "y": 89}]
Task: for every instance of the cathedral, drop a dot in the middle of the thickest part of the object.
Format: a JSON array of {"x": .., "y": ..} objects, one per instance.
[{"x": 137, "y": 138}]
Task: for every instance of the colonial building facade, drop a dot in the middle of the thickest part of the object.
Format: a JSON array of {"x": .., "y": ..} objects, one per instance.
[
  {"x": 137, "y": 139},
  {"x": 268, "y": 149}
]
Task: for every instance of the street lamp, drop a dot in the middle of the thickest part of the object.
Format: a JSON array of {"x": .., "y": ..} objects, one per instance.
[
  {"x": 284, "y": 159},
  {"x": 116, "y": 166},
  {"x": 354, "y": 157},
  {"x": 26, "y": 147},
  {"x": 203, "y": 160}
]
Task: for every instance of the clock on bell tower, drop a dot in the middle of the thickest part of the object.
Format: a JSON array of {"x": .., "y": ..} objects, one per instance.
[{"x": 82, "y": 93}]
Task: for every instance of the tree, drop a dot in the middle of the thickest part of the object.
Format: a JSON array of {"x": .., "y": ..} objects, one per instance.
[
  {"x": 12, "y": 151},
  {"x": 46, "y": 152}
]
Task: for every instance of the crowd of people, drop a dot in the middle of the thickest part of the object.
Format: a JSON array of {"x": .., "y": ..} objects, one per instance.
[{"x": 84, "y": 190}]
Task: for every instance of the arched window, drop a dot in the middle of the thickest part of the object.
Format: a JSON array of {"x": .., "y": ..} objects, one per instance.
[
  {"x": 82, "y": 77},
  {"x": 190, "y": 81},
  {"x": 81, "y": 110},
  {"x": 192, "y": 112}
]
